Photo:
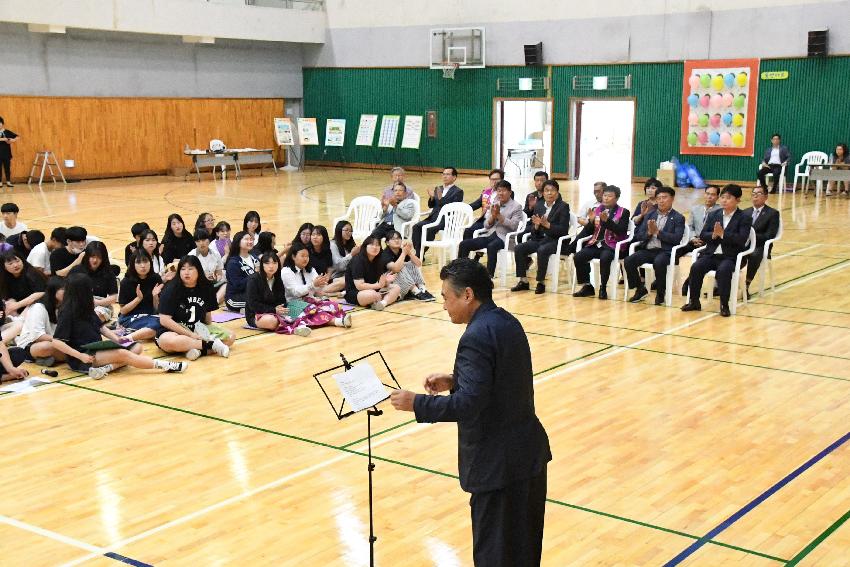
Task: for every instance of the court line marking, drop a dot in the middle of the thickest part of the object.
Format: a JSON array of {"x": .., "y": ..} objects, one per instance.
[
  {"x": 818, "y": 540},
  {"x": 55, "y": 536},
  {"x": 747, "y": 508}
]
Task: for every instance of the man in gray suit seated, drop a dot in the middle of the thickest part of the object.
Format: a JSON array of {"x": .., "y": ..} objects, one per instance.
[
  {"x": 502, "y": 216},
  {"x": 398, "y": 210}
]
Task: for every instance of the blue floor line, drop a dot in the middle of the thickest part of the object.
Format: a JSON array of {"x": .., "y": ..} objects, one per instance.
[{"x": 127, "y": 560}]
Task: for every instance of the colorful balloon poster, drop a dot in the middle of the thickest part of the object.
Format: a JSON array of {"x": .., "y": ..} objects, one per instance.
[{"x": 719, "y": 107}]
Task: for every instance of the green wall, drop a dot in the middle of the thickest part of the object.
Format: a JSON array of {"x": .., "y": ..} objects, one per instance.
[{"x": 810, "y": 109}]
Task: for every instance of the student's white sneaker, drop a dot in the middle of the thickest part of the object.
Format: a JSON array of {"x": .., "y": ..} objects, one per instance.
[
  {"x": 302, "y": 331},
  {"x": 346, "y": 320},
  {"x": 220, "y": 348},
  {"x": 378, "y": 305},
  {"x": 193, "y": 354},
  {"x": 98, "y": 372},
  {"x": 170, "y": 365}
]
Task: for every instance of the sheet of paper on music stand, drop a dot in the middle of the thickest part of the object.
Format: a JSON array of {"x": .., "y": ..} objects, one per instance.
[
  {"x": 412, "y": 132},
  {"x": 361, "y": 387},
  {"x": 366, "y": 131}
]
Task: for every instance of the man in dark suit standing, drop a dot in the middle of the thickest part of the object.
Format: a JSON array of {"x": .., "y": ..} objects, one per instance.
[
  {"x": 439, "y": 196},
  {"x": 662, "y": 229},
  {"x": 503, "y": 449},
  {"x": 725, "y": 235},
  {"x": 765, "y": 221},
  {"x": 550, "y": 221},
  {"x": 776, "y": 156}
]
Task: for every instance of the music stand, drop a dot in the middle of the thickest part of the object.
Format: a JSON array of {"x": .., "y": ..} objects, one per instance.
[{"x": 370, "y": 412}]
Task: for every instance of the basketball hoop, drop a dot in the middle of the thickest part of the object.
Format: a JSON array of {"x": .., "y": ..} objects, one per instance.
[{"x": 449, "y": 69}]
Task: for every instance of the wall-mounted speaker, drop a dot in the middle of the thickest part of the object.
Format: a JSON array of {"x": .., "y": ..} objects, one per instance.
[
  {"x": 819, "y": 43},
  {"x": 533, "y": 54}
]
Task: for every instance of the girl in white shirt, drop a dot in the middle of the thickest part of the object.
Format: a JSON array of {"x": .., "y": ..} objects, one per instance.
[
  {"x": 39, "y": 323},
  {"x": 305, "y": 284}
]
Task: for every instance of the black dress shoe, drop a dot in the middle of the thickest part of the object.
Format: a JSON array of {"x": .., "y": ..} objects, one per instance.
[
  {"x": 585, "y": 291},
  {"x": 724, "y": 310},
  {"x": 541, "y": 288},
  {"x": 659, "y": 299},
  {"x": 654, "y": 286},
  {"x": 603, "y": 293},
  {"x": 640, "y": 293},
  {"x": 521, "y": 286},
  {"x": 478, "y": 256},
  {"x": 692, "y": 306}
]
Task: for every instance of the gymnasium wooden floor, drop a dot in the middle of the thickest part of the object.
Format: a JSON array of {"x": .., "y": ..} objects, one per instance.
[{"x": 676, "y": 436}]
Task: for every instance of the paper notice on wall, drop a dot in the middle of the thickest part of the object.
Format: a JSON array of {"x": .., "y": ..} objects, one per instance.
[
  {"x": 283, "y": 132},
  {"x": 308, "y": 133},
  {"x": 389, "y": 131},
  {"x": 335, "y": 132},
  {"x": 412, "y": 134},
  {"x": 366, "y": 131}
]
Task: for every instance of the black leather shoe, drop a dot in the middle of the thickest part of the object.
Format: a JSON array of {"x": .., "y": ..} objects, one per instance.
[
  {"x": 659, "y": 299},
  {"x": 640, "y": 293},
  {"x": 585, "y": 291},
  {"x": 724, "y": 310},
  {"x": 521, "y": 286},
  {"x": 692, "y": 306},
  {"x": 478, "y": 256},
  {"x": 654, "y": 286},
  {"x": 603, "y": 293},
  {"x": 541, "y": 288}
]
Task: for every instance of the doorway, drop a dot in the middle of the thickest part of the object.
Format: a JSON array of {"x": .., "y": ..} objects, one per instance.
[
  {"x": 522, "y": 135},
  {"x": 602, "y": 144}
]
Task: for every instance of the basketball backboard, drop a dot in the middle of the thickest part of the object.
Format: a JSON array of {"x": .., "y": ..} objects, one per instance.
[{"x": 461, "y": 46}]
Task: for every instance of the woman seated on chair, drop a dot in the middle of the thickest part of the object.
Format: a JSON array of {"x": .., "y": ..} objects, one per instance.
[
  {"x": 367, "y": 282},
  {"x": 839, "y": 157},
  {"x": 304, "y": 283},
  {"x": 647, "y": 205},
  {"x": 400, "y": 259},
  {"x": 265, "y": 303}
]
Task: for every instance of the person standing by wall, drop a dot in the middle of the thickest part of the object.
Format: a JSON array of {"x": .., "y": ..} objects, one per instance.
[{"x": 7, "y": 138}]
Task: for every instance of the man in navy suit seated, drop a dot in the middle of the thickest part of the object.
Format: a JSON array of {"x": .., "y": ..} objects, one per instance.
[
  {"x": 661, "y": 230},
  {"x": 725, "y": 235},
  {"x": 765, "y": 221},
  {"x": 503, "y": 449}
]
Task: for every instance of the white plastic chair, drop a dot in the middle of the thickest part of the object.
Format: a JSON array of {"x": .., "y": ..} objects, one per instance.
[
  {"x": 457, "y": 217},
  {"x": 767, "y": 262},
  {"x": 672, "y": 268},
  {"x": 802, "y": 169},
  {"x": 407, "y": 227},
  {"x": 366, "y": 213},
  {"x": 614, "y": 275},
  {"x": 736, "y": 275},
  {"x": 555, "y": 262},
  {"x": 504, "y": 257},
  {"x": 783, "y": 181}
]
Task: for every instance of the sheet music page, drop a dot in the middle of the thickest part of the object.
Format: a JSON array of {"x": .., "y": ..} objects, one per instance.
[{"x": 361, "y": 386}]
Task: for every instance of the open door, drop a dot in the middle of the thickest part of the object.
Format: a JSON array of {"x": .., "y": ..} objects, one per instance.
[{"x": 522, "y": 135}]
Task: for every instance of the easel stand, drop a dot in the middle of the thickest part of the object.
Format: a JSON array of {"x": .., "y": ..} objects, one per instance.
[
  {"x": 370, "y": 413},
  {"x": 47, "y": 160}
]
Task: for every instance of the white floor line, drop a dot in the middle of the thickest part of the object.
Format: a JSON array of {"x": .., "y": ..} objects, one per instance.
[
  {"x": 813, "y": 246},
  {"x": 239, "y": 497},
  {"x": 95, "y": 551}
]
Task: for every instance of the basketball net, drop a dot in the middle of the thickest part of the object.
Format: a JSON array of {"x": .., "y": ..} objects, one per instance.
[{"x": 449, "y": 69}]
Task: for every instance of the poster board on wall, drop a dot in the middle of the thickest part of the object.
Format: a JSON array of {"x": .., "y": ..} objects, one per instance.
[
  {"x": 412, "y": 133},
  {"x": 719, "y": 101},
  {"x": 389, "y": 130},
  {"x": 308, "y": 133},
  {"x": 366, "y": 130},
  {"x": 335, "y": 132},
  {"x": 283, "y": 132}
]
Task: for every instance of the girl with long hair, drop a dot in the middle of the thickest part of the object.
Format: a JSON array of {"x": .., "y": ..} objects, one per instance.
[
  {"x": 241, "y": 265},
  {"x": 265, "y": 306},
  {"x": 304, "y": 283},
  {"x": 139, "y": 298},
  {"x": 367, "y": 282},
  {"x": 104, "y": 280},
  {"x": 177, "y": 241},
  {"x": 36, "y": 337}
]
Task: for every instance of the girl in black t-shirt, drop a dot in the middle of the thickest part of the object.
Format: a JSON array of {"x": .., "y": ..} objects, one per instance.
[
  {"x": 95, "y": 265},
  {"x": 78, "y": 326},
  {"x": 185, "y": 308},
  {"x": 251, "y": 224},
  {"x": 176, "y": 240},
  {"x": 139, "y": 298},
  {"x": 365, "y": 278},
  {"x": 265, "y": 305},
  {"x": 20, "y": 284}
]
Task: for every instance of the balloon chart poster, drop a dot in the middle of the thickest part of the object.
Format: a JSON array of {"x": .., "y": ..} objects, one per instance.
[{"x": 719, "y": 107}]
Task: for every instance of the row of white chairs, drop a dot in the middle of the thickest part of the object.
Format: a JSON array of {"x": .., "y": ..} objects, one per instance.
[
  {"x": 801, "y": 173},
  {"x": 364, "y": 213}
]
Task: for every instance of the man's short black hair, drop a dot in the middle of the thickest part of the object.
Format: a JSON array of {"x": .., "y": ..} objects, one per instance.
[
  {"x": 552, "y": 183},
  {"x": 202, "y": 234},
  {"x": 58, "y": 234},
  {"x": 9, "y": 208},
  {"x": 503, "y": 183},
  {"x": 612, "y": 189},
  {"x": 34, "y": 238},
  {"x": 75, "y": 234},
  {"x": 715, "y": 187},
  {"x": 732, "y": 189},
  {"x": 138, "y": 228},
  {"x": 541, "y": 174},
  {"x": 772, "y": 136},
  {"x": 454, "y": 171},
  {"x": 600, "y": 184},
  {"x": 465, "y": 273},
  {"x": 664, "y": 189}
]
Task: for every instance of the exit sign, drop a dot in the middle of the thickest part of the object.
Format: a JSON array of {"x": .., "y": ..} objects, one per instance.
[{"x": 774, "y": 75}]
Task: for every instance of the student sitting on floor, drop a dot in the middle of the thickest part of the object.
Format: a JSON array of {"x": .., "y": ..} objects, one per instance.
[
  {"x": 265, "y": 303},
  {"x": 240, "y": 266},
  {"x": 343, "y": 248},
  {"x": 10, "y": 224},
  {"x": 78, "y": 327},
  {"x": 205, "y": 221},
  {"x": 24, "y": 242},
  {"x": 10, "y": 359},
  {"x": 366, "y": 279},
  {"x": 176, "y": 240},
  {"x": 212, "y": 263},
  {"x": 130, "y": 250},
  {"x": 20, "y": 284},
  {"x": 139, "y": 298},
  {"x": 69, "y": 256},
  {"x": 185, "y": 314},
  {"x": 36, "y": 338},
  {"x": 39, "y": 256},
  {"x": 400, "y": 259},
  {"x": 304, "y": 283},
  {"x": 221, "y": 233},
  {"x": 251, "y": 224},
  {"x": 104, "y": 279},
  {"x": 264, "y": 242}
]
